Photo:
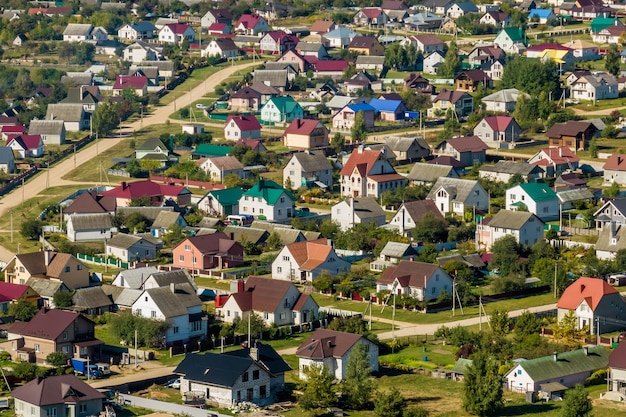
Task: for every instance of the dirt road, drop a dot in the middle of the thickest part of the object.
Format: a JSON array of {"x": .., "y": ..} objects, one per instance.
[{"x": 90, "y": 154}]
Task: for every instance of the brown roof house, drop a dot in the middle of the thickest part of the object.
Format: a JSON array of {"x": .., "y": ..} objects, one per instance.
[
  {"x": 306, "y": 134},
  {"x": 470, "y": 150},
  {"x": 54, "y": 266},
  {"x": 245, "y": 99},
  {"x": 305, "y": 261},
  {"x": 575, "y": 135},
  {"x": 58, "y": 395},
  {"x": 469, "y": 80},
  {"x": 420, "y": 280},
  {"x": 615, "y": 169},
  {"x": 411, "y": 213},
  {"x": 53, "y": 331},
  {"x": 332, "y": 349},
  {"x": 367, "y": 45},
  {"x": 208, "y": 251},
  {"x": 277, "y": 302},
  {"x": 458, "y": 101},
  {"x": 617, "y": 375}
]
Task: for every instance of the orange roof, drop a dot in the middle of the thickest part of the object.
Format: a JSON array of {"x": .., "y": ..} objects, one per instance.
[
  {"x": 364, "y": 160},
  {"x": 309, "y": 255},
  {"x": 589, "y": 289}
]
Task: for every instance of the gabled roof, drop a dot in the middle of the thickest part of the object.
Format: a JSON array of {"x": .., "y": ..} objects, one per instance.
[
  {"x": 451, "y": 96},
  {"x": 50, "y": 324},
  {"x": 506, "y": 95},
  {"x": 46, "y": 287},
  {"x": 312, "y": 161},
  {"x": 208, "y": 244},
  {"x": 361, "y": 159},
  {"x": 570, "y": 128},
  {"x": 134, "y": 278},
  {"x": 26, "y": 141},
  {"x": 428, "y": 39},
  {"x": 514, "y": 220},
  {"x": 516, "y": 34},
  {"x": 372, "y": 12},
  {"x": 68, "y": 112},
  {"x": 130, "y": 81},
  {"x": 465, "y": 144},
  {"x": 499, "y": 123},
  {"x": 285, "y": 104},
  {"x": 269, "y": 191},
  {"x": 165, "y": 219},
  {"x": 177, "y": 28},
  {"x": 419, "y": 208},
  {"x": 12, "y": 292},
  {"x": 227, "y": 196},
  {"x": 511, "y": 167},
  {"x": 174, "y": 303},
  {"x": 263, "y": 294},
  {"x": 6, "y": 155},
  {"x": 245, "y": 123},
  {"x": 615, "y": 162},
  {"x": 91, "y": 221},
  {"x": 303, "y": 126},
  {"x": 567, "y": 364},
  {"x": 475, "y": 75},
  {"x": 409, "y": 273},
  {"x": 397, "y": 250},
  {"x": 592, "y": 290},
  {"x": 34, "y": 263},
  {"x": 145, "y": 188},
  {"x": 310, "y": 254},
  {"x": 46, "y": 127},
  {"x": 538, "y": 191},
  {"x": 385, "y": 105},
  {"x": 78, "y": 29},
  {"x": 458, "y": 188},
  {"x": 55, "y": 390},
  {"x": 331, "y": 65},
  {"x": 322, "y": 25},
  {"x": 208, "y": 149},
  {"x": 93, "y": 297},
  {"x": 224, "y": 163},
  {"x": 325, "y": 343},
  {"x": 363, "y": 42},
  {"x": 341, "y": 32},
  {"x": 248, "y": 21},
  {"x": 430, "y": 173},
  {"x": 617, "y": 358},
  {"x": 151, "y": 144}
]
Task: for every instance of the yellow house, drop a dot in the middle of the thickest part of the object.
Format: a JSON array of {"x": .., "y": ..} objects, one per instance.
[
  {"x": 366, "y": 45},
  {"x": 50, "y": 265},
  {"x": 306, "y": 134}
]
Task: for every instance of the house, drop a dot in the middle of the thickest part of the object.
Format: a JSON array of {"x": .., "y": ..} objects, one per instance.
[
  {"x": 220, "y": 167},
  {"x": 616, "y": 378},
  {"x": 388, "y": 110},
  {"x": 427, "y": 174},
  {"x": 535, "y": 197},
  {"x": 246, "y": 99},
  {"x": 176, "y": 33},
  {"x": 53, "y": 331},
  {"x": 419, "y": 84},
  {"x": 610, "y": 34},
  {"x": 407, "y": 149},
  {"x": 321, "y": 27},
  {"x": 130, "y": 248},
  {"x": 525, "y": 227},
  {"x": 277, "y": 42},
  {"x": 371, "y": 16},
  {"x": 560, "y": 55},
  {"x": 54, "y": 266},
  {"x": 557, "y": 372},
  {"x": 51, "y": 131},
  {"x": 221, "y": 202},
  {"x": 353, "y": 211},
  {"x": 305, "y": 261},
  {"x": 392, "y": 253},
  {"x": 469, "y": 80},
  {"x": 251, "y": 24},
  {"x": 573, "y": 134},
  {"x": 333, "y": 69},
  {"x": 332, "y": 349},
  {"x": 242, "y": 127},
  {"x": 495, "y": 18},
  {"x": 154, "y": 149},
  {"x": 600, "y": 23},
  {"x": 340, "y": 37},
  {"x": 26, "y": 146},
  {"x": 366, "y": 45},
  {"x": 7, "y": 160},
  {"x": 312, "y": 49},
  {"x": 267, "y": 200},
  {"x": 432, "y": 62},
  {"x": 222, "y": 48},
  {"x": 12, "y": 293},
  {"x": 139, "y": 52},
  {"x": 469, "y": 150},
  {"x": 275, "y": 301},
  {"x": 456, "y": 196},
  {"x": 204, "y": 252},
  {"x": 498, "y": 131},
  {"x": 219, "y": 16},
  {"x": 512, "y": 40},
  {"x": 504, "y": 171},
  {"x": 294, "y": 59},
  {"x": 615, "y": 169},
  {"x": 583, "y": 50},
  {"x": 134, "y": 278},
  {"x": 448, "y": 100},
  {"x": 252, "y": 374},
  {"x": 19, "y": 40},
  {"x": 423, "y": 21},
  {"x": 205, "y": 150},
  {"x": 179, "y": 306},
  {"x": 368, "y": 173},
  {"x": 280, "y": 78},
  {"x": 281, "y": 109},
  {"x": 164, "y": 222},
  {"x": 89, "y": 203},
  {"x": 157, "y": 193},
  {"x": 419, "y": 280},
  {"x": 83, "y": 32},
  {"x": 458, "y": 9},
  {"x": 410, "y": 213},
  {"x": 555, "y": 161},
  {"x": 307, "y": 169},
  {"x": 137, "y": 31},
  {"x": 427, "y": 43},
  {"x": 596, "y": 86},
  {"x": 541, "y": 16},
  {"x": 62, "y": 395},
  {"x": 306, "y": 134},
  {"x": 91, "y": 301},
  {"x": 502, "y": 101},
  {"x": 437, "y": 6},
  {"x": 344, "y": 118},
  {"x": 595, "y": 303},
  {"x": 86, "y": 227},
  {"x": 73, "y": 116},
  {"x": 136, "y": 83}
]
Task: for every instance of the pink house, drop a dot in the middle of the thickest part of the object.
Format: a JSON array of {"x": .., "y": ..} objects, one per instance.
[
  {"x": 209, "y": 251},
  {"x": 344, "y": 119},
  {"x": 157, "y": 193}
]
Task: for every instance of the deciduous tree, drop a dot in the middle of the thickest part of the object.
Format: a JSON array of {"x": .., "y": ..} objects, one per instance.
[
  {"x": 63, "y": 299},
  {"x": 611, "y": 60},
  {"x": 358, "y": 384},
  {"x": 358, "y": 132},
  {"x": 577, "y": 403},
  {"x": 22, "y": 310},
  {"x": 483, "y": 386},
  {"x": 317, "y": 388}
]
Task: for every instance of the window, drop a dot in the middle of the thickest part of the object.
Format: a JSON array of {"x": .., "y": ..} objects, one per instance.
[
  {"x": 64, "y": 335},
  {"x": 286, "y": 258},
  {"x": 255, "y": 374},
  {"x": 79, "y": 267},
  {"x": 187, "y": 247},
  {"x": 245, "y": 377},
  {"x": 67, "y": 269},
  {"x": 282, "y": 199},
  {"x": 36, "y": 348},
  {"x": 138, "y": 312},
  {"x": 175, "y": 329},
  {"x": 196, "y": 326},
  {"x": 279, "y": 269},
  {"x": 181, "y": 258},
  {"x": 282, "y": 316},
  {"x": 263, "y": 391},
  {"x": 66, "y": 349},
  {"x": 82, "y": 408},
  {"x": 153, "y": 314},
  {"x": 280, "y": 212},
  {"x": 266, "y": 315}
]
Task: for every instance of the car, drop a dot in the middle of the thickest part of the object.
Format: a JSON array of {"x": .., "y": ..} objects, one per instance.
[
  {"x": 173, "y": 383},
  {"x": 201, "y": 106}
]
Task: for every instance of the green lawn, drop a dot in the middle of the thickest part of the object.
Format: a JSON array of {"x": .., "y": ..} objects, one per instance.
[
  {"x": 196, "y": 77},
  {"x": 413, "y": 356}
]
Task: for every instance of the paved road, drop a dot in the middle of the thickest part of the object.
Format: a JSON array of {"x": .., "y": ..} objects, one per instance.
[{"x": 90, "y": 153}]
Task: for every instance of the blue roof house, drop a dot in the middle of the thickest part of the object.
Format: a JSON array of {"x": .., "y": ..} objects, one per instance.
[
  {"x": 344, "y": 119},
  {"x": 389, "y": 110},
  {"x": 340, "y": 37},
  {"x": 541, "y": 15}
]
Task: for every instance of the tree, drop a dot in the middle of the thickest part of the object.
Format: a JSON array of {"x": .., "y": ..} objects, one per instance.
[
  {"x": 577, "y": 403},
  {"x": 63, "y": 299},
  {"x": 451, "y": 64},
  {"x": 337, "y": 142},
  {"x": 611, "y": 191},
  {"x": 526, "y": 325},
  {"x": 150, "y": 332},
  {"x": 358, "y": 132},
  {"x": 328, "y": 228},
  {"x": 482, "y": 386},
  {"x": 567, "y": 332},
  {"x": 149, "y": 165},
  {"x": 389, "y": 404},
  {"x": 505, "y": 255},
  {"x": 431, "y": 229},
  {"x": 317, "y": 388},
  {"x": 57, "y": 359},
  {"x": 256, "y": 326},
  {"x": 25, "y": 371},
  {"x": 611, "y": 60},
  {"x": 415, "y": 412},
  {"x": 531, "y": 76},
  {"x": 274, "y": 242},
  {"x": 31, "y": 229},
  {"x": 500, "y": 322},
  {"x": 22, "y": 310},
  {"x": 133, "y": 168},
  {"x": 105, "y": 119},
  {"x": 358, "y": 384}
]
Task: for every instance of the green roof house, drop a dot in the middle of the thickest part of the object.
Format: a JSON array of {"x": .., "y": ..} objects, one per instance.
[
  {"x": 281, "y": 110},
  {"x": 267, "y": 201},
  {"x": 512, "y": 40},
  {"x": 557, "y": 372},
  {"x": 221, "y": 202},
  {"x": 600, "y": 23},
  {"x": 205, "y": 150},
  {"x": 154, "y": 149},
  {"x": 535, "y": 197}
]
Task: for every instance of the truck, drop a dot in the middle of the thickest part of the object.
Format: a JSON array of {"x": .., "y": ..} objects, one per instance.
[
  {"x": 104, "y": 368},
  {"x": 82, "y": 367}
]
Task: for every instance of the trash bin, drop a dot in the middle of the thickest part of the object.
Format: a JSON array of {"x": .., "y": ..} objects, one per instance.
[
  {"x": 425, "y": 358},
  {"x": 423, "y": 348}
]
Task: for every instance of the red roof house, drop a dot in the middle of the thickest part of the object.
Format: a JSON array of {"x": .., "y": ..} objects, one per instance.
[
  {"x": 11, "y": 293},
  {"x": 157, "y": 193},
  {"x": 592, "y": 299},
  {"x": 367, "y": 173},
  {"x": 137, "y": 83},
  {"x": 26, "y": 146},
  {"x": 495, "y": 130},
  {"x": 554, "y": 161},
  {"x": 251, "y": 24},
  {"x": 306, "y": 134},
  {"x": 242, "y": 127},
  {"x": 278, "y": 42},
  {"x": 8, "y": 131}
]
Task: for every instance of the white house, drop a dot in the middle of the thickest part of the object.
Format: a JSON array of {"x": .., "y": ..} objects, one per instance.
[
  {"x": 242, "y": 127},
  {"x": 139, "y": 52},
  {"x": 537, "y": 198},
  {"x": 221, "y": 202},
  {"x": 305, "y": 261},
  {"x": 137, "y": 31},
  {"x": 133, "y": 278},
  {"x": 419, "y": 280},
  {"x": 84, "y": 32},
  {"x": 332, "y": 349},
  {"x": 308, "y": 169},
  {"x": 132, "y": 248},
  {"x": 455, "y": 195},
  {"x": 179, "y": 306},
  {"x": 411, "y": 213},
  {"x": 85, "y": 227},
  {"x": 615, "y": 169},
  {"x": 267, "y": 201},
  {"x": 176, "y": 33},
  {"x": 368, "y": 173},
  {"x": 221, "y": 47},
  {"x": 596, "y": 86},
  {"x": 219, "y": 167},
  {"x": 276, "y": 302},
  {"x": 51, "y": 131},
  {"x": 355, "y": 210},
  {"x": 525, "y": 227},
  {"x": 433, "y": 61}
]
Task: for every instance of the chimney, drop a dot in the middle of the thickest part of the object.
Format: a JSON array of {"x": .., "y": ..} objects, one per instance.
[
  {"x": 586, "y": 350},
  {"x": 46, "y": 257},
  {"x": 359, "y": 149},
  {"x": 254, "y": 353},
  {"x": 560, "y": 151},
  {"x": 232, "y": 235},
  {"x": 329, "y": 242},
  {"x": 555, "y": 355},
  {"x": 173, "y": 287},
  {"x": 240, "y": 285},
  {"x": 124, "y": 185}
]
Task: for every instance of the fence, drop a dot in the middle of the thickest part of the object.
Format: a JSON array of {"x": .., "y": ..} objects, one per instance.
[
  {"x": 118, "y": 172},
  {"x": 187, "y": 183},
  {"x": 572, "y": 244},
  {"x": 102, "y": 261},
  {"x": 166, "y": 407}
]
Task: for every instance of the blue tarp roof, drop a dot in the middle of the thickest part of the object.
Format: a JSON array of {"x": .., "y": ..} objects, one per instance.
[
  {"x": 540, "y": 13},
  {"x": 385, "y": 105},
  {"x": 360, "y": 107}
]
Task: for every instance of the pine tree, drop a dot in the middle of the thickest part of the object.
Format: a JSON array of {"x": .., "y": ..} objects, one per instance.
[
  {"x": 451, "y": 64},
  {"x": 611, "y": 60},
  {"x": 317, "y": 388},
  {"x": 358, "y": 132},
  {"x": 483, "y": 387},
  {"x": 358, "y": 384}
]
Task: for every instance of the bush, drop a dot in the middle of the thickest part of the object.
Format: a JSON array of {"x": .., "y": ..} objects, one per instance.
[
  {"x": 25, "y": 371},
  {"x": 5, "y": 356}
]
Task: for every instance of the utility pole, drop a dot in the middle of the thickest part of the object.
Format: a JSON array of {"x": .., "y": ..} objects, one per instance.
[
  {"x": 74, "y": 156},
  {"x": 555, "y": 274},
  {"x": 11, "y": 211},
  {"x": 135, "y": 348},
  {"x": 480, "y": 313}
]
